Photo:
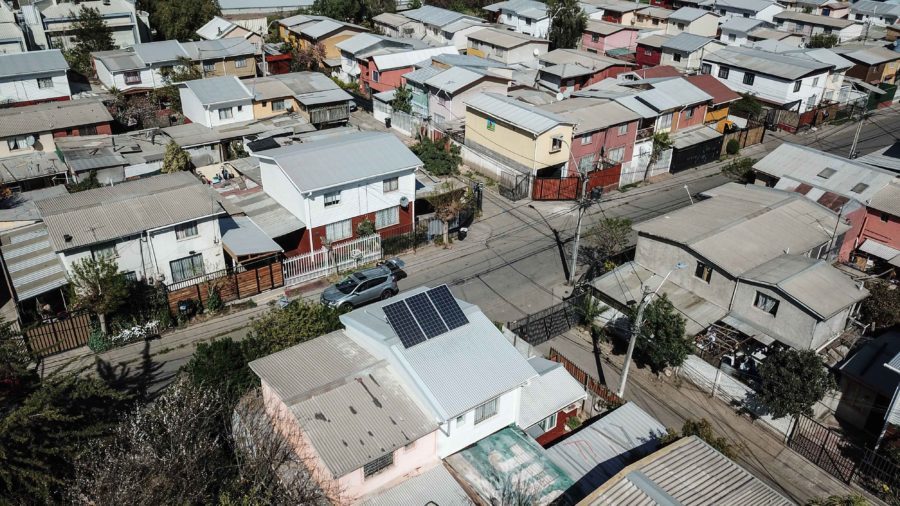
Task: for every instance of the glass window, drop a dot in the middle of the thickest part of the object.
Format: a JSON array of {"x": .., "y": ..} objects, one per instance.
[
  {"x": 491, "y": 125},
  {"x": 186, "y": 230},
  {"x": 105, "y": 251},
  {"x": 378, "y": 465},
  {"x": 209, "y": 66},
  {"x": 797, "y": 86},
  {"x": 187, "y": 267},
  {"x": 595, "y": 37},
  {"x": 555, "y": 144},
  {"x": 339, "y": 230},
  {"x": 390, "y": 184},
  {"x": 816, "y": 81},
  {"x": 648, "y": 52},
  {"x": 586, "y": 139},
  {"x": 623, "y": 129},
  {"x": 665, "y": 121},
  {"x": 132, "y": 78},
  {"x": 279, "y": 105},
  {"x": 45, "y": 82},
  {"x": 705, "y": 69},
  {"x": 460, "y": 420},
  {"x": 586, "y": 163},
  {"x": 548, "y": 423},
  {"x": 485, "y": 411},
  {"x": 332, "y": 199},
  {"x": 375, "y": 76},
  {"x": 689, "y": 113},
  {"x": 676, "y": 57},
  {"x": 703, "y": 271},
  {"x": 766, "y": 303},
  {"x": 731, "y": 37},
  {"x": 616, "y": 155},
  {"x": 723, "y": 72},
  {"x": 749, "y": 77},
  {"x": 240, "y": 63},
  {"x": 387, "y": 217},
  {"x": 15, "y": 143},
  {"x": 226, "y": 113}
]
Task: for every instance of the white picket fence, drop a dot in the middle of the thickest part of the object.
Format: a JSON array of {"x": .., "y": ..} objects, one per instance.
[{"x": 318, "y": 264}]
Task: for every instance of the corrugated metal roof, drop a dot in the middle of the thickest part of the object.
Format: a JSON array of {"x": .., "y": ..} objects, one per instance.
[
  {"x": 33, "y": 165},
  {"x": 160, "y": 52},
  {"x": 673, "y": 94},
  {"x": 687, "y": 42},
  {"x": 764, "y": 62},
  {"x": 21, "y": 207},
  {"x": 359, "y": 42},
  {"x": 876, "y": 363},
  {"x": 744, "y": 5},
  {"x": 875, "y": 55},
  {"x": 218, "y": 90},
  {"x": 887, "y": 199},
  {"x": 342, "y": 160},
  {"x": 392, "y": 19},
  {"x": 431, "y": 15},
  {"x": 435, "y": 486},
  {"x": 875, "y": 8},
  {"x": 688, "y": 472},
  {"x": 615, "y": 5},
  {"x": 741, "y": 25},
  {"x": 454, "y": 79},
  {"x": 215, "y": 28},
  {"x": 241, "y": 237},
  {"x": 655, "y": 12},
  {"x": 551, "y": 391},
  {"x": 421, "y": 75},
  {"x": 517, "y": 113},
  {"x": 655, "y": 41},
  {"x": 281, "y": 5},
  {"x": 688, "y": 14},
  {"x": 218, "y": 49},
  {"x": 269, "y": 215},
  {"x": 118, "y": 60},
  {"x": 587, "y": 59},
  {"x": 33, "y": 266},
  {"x": 195, "y": 134},
  {"x": 813, "y": 19},
  {"x": 32, "y": 62},
  {"x": 526, "y": 8},
  {"x": 590, "y": 114},
  {"x": 402, "y": 58},
  {"x": 713, "y": 87},
  {"x": 692, "y": 136},
  {"x": 504, "y": 38},
  {"x": 604, "y": 27},
  {"x": 52, "y": 116},
  {"x": 887, "y": 158}
]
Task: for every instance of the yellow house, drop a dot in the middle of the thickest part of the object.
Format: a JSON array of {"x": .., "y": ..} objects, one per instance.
[
  {"x": 223, "y": 57},
  {"x": 721, "y": 95},
  {"x": 304, "y": 31},
  {"x": 309, "y": 94},
  {"x": 526, "y": 138}
]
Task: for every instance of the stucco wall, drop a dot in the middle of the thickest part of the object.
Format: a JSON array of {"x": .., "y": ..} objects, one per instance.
[
  {"x": 661, "y": 257},
  {"x": 26, "y": 90},
  {"x": 792, "y": 325}
]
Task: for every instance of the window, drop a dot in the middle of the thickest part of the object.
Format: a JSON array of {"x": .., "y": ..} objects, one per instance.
[
  {"x": 689, "y": 113},
  {"x": 703, "y": 271},
  {"x": 749, "y": 77},
  {"x": 680, "y": 26},
  {"x": 595, "y": 37},
  {"x": 655, "y": 22},
  {"x": 88, "y": 130},
  {"x": 209, "y": 66},
  {"x": 586, "y": 139},
  {"x": 15, "y": 143},
  {"x": 390, "y": 184},
  {"x": 648, "y": 52},
  {"x": 555, "y": 144},
  {"x": 187, "y": 267},
  {"x": 387, "y": 217},
  {"x": 186, "y": 230},
  {"x": 548, "y": 423},
  {"x": 816, "y": 81},
  {"x": 527, "y": 22},
  {"x": 339, "y": 230},
  {"x": 107, "y": 250},
  {"x": 623, "y": 129},
  {"x": 332, "y": 199},
  {"x": 766, "y": 303},
  {"x": 826, "y": 173},
  {"x": 130, "y": 276},
  {"x": 45, "y": 82},
  {"x": 132, "y": 78},
  {"x": 378, "y": 465},
  {"x": 705, "y": 69},
  {"x": 723, "y": 72},
  {"x": 441, "y": 100},
  {"x": 491, "y": 125},
  {"x": 616, "y": 155},
  {"x": 240, "y": 108},
  {"x": 240, "y": 63},
  {"x": 885, "y": 217},
  {"x": 485, "y": 411},
  {"x": 376, "y": 76},
  {"x": 226, "y": 113},
  {"x": 585, "y": 163},
  {"x": 279, "y": 105},
  {"x": 731, "y": 37},
  {"x": 460, "y": 420},
  {"x": 165, "y": 69},
  {"x": 676, "y": 57},
  {"x": 797, "y": 86},
  {"x": 664, "y": 122}
]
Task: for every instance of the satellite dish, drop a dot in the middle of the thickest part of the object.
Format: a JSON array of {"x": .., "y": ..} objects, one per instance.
[
  {"x": 536, "y": 52},
  {"x": 30, "y": 140},
  {"x": 559, "y": 97},
  {"x": 404, "y": 201}
]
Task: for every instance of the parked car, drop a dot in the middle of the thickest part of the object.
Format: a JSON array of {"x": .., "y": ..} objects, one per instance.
[
  {"x": 361, "y": 287},
  {"x": 396, "y": 266}
]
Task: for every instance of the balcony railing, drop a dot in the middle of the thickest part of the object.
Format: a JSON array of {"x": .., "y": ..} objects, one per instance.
[{"x": 644, "y": 133}]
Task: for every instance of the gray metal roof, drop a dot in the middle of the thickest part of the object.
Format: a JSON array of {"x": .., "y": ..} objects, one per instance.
[
  {"x": 359, "y": 42},
  {"x": 524, "y": 8},
  {"x": 688, "y": 472},
  {"x": 421, "y": 75},
  {"x": 812, "y": 19},
  {"x": 741, "y": 25},
  {"x": 350, "y": 406},
  {"x": 876, "y": 364},
  {"x": 596, "y": 452},
  {"x": 686, "y": 42},
  {"x": 742, "y": 227},
  {"x": 195, "y": 134},
  {"x": 887, "y": 199},
  {"x": 435, "y": 486},
  {"x": 887, "y": 157},
  {"x": 129, "y": 208},
  {"x": 589, "y": 114},
  {"x": 283, "y": 5},
  {"x": 431, "y": 15},
  {"x": 655, "y": 41},
  {"x": 604, "y": 27},
  {"x": 218, "y": 49},
  {"x": 504, "y": 38},
  {"x": 31, "y": 63},
  {"x": 587, "y": 59},
  {"x": 219, "y": 90},
  {"x": 242, "y": 237},
  {"x": 34, "y": 268},
  {"x": 744, "y": 5},
  {"x": 341, "y": 160},
  {"x": 516, "y": 113},
  {"x": 764, "y": 62},
  {"x": 875, "y": 55},
  {"x": 164, "y": 51},
  {"x": 270, "y": 216},
  {"x": 694, "y": 135},
  {"x": 550, "y": 392},
  {"x": 454, "y": 79},
  {"x": 52, "y": 116},
  {"x": 392, "y": 19},
  {"x": 20, "y": 206},
  {"x": 33, "y": 165},
  {"x": 688, "y": 14},
  {"x": 875, "y": 8},
  {"x": 401, "y": 57},
  {"x": 312, "y": 88},
  {"x": 119, "y": 60},
  {"x": 615, "y": 5},
  {"x": 672, "y": 94},
  {"x": 464, "y": 60}
]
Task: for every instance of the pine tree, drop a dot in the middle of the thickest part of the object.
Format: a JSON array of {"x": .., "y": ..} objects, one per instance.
[
  {"x": 175, "y": 159},
  {"x": 567, "y": 23},
  {"x": 90, "y": 33}
]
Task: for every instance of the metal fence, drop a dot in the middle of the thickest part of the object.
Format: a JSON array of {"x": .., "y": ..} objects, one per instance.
[
  {"x": 546, "y": 324},
  {"x": 325, "y": 261},
  {"x": 514, "y": 186}
]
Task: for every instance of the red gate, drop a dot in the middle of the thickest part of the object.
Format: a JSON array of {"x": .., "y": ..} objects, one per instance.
[{"x": 555, "y": 188}]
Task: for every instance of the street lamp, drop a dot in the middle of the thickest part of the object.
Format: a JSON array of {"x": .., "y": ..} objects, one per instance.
[{"x": 636, "y": 326}]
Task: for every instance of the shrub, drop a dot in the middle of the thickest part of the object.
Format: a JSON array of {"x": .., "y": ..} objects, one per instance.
[
  {"x": 365, "y": 227},
  {"x": 733, "y": 147}
]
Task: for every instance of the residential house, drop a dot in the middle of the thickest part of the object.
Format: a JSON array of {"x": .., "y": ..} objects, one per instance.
[
  {"x": 33, "y": 128},
  {"x": 308, "y": 31},
  {"x": 505, "y": 46},
  {"x": 874, "y": 65},
  {"x": 524, "y": 138},
  {"x": 396, "y": 25},
  {"x": 735, "y": 31},
  {"x": 836, "y": 89},
  {"x": 762, "y": 10},
  {"x": 748, "y": 259},
  {"x": 878, "y": 242},
  {"x": 436, "y": 486},
  {"x": 648, "y": 50},
  {"x": 334, "y": 184},
  {"x": 876, "y": 13},
  {"x": 694, "y": 21},
  {"x": 164, "y": 227},
  {"x": 602, "y": 36},
  {"x": 617, "y": 11},
  {"x": 688, "y": 471},
  {"x": 33, "y": 77},
  {"x": 652, "y": 17},
  {"x": 12, "y": 40},
  {"x": 782, "y": 37},
  {"x": 869, "y": 381},
  {"x": 603, "y": 139},
  {"x": 787, "y": 82},
  {"x": 722, "y": 98},
  {"x": 686, "y": 51},
  {"x": 112, "y": 158},
  {"x": 361, "y": 43},
  {"x": 216, "y": 101},
  {"x": 442, "y": 26},
  {"x": 237, "y": 8},
  {"x": 220, "y": 28},
  {"x": 810, "y": 24},
  {"x": 223, "y": 57},
  {"x": 523, "y": 16},
  {"x": 48, "y": 25},
  {"x": 312, "y": 95},
  {"x": 570, "y": 69},
  {"x": 419, "y": 92},
  {"x": 831, "y": 8},
  {"x": 382, "y": 69},
  {"x": 32, "y": 171},
  {"x": 449, "y": 90}
]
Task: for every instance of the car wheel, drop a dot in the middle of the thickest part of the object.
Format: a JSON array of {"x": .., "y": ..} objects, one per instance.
[
  {"x": 345, "y": 307},
  {"x": 387, "y": 294}
]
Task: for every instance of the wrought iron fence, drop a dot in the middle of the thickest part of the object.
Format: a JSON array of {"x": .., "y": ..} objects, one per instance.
[{"x": 548, "y": 323}]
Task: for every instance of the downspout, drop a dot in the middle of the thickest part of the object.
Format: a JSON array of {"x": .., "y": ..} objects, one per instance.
[{"x": 306, "y": 206}]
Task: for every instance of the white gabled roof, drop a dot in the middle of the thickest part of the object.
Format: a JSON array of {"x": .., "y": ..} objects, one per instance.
[{"x": 410, "y": 58}]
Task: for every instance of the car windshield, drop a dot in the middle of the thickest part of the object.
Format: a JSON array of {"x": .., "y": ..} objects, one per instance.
[{"x": 347, "y": 285}]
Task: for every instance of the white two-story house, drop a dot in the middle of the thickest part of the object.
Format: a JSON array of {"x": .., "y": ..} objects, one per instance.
[
  {"x": 523, "y": 16},
  {"x": 216, "y": 101},
  {"x": 332, "y": 185},
  {"x": 762, "y": 10},
  {"x": 31, "y": 78}
]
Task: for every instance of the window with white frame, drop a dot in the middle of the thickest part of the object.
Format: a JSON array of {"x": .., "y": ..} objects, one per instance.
[
  {"x": 623, "y": 129},
  {"x": 664, "y": 122},
  {"x": 548, "y": 423},
  {"x": 332, "y": 199},
  {"x": 339, "y": 230},
  {"x": 485, "y": 411},
  {"x": 555, "y": 144},
  {"x": 187, "y": 267},
  {"x": 107, "y": 250},
  {"x": 387, "y": 217},
  {"x": 391, "y": 184},
  {"x": 240, "y": 63},
  {"x": 226, "y": 113},
  {"x": 766, "y": 303},
  {"x": 279, "y": 105},
  {"x": 45, "y": 82},
  {"x": 378, "y": 465},
  {"x": 797, "y": 85},
  {"x": 186, "y": 230},
  {"x": 209, "y": 66},
  {"x": 816, "y": 81},
  {"x": 723, "y": 72},
  {"x": 616, "y": 155},
  {"x": 460, "y": 420},
  {"x": 586, "y": 139},
  {"x": 132, "y": 78},
  {"x": 703, "y": 271}
]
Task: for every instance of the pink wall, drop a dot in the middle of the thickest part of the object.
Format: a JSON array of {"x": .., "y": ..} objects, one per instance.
[
  {"x": 624, "y": 38},
  {"x": 387, "y": 80},
  {"x": 685, "y": 122},
  {"x": 869, "y": 225},
  {"x": 455, "y": 108},
  {"x": 608, "y": 139}
]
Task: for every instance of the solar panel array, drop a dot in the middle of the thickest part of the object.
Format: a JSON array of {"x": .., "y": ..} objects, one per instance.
[{"x": 425, "y": 316}]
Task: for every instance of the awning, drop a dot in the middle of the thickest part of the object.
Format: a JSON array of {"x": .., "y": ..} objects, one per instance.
[
  {"x": 864, "y": 85},
  {"x": 270, "y": 216},
  {"x": 747, "y": 329},
  {"x": 882, "y": 251},
  {"x": 34, "y": 268},
  {"x": 241, "y": 237},
  {"x": 686, "y": 138}
]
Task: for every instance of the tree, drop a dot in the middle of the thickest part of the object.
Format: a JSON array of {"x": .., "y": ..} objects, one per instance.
[
  {"x": 365, "y": 227},
  {"x": 299, "y": 321},
  {"x": 448, "y": 201},
  {"x": 402, "y": 100},
  {"x": 661, "y": 144},
  {"x": 792, "y": 381},
  {"x": 567, "y": 23},
  {"x": 740, "y": 169},
  {"x": 175, "y": 159},
  {"x": 15, "y": 361},
  {"x": 415, "y": 4},
  {"x": 882, "y": 308},
  {"x": 606, "y": 239},
  {"x": 437, "y": 158},
  {"x": 307, "y": 58},
  {"x": 661, "y": 340},
  {"x": 86, "y": 183},
  {"x": 733, "y": 147},
  {"x": 357, "y": 11},
  {"x": 748, "y": 107},
  {"x": 839, "y": 500},
  {"x": 169, "y": 94},
  {"x": 221, "y": 365},
  {"x": 97, "y": 285},
  {"x": 825, "y": 40},
  {"x": 180, "y": 19},
  {"x": 702, "y": 429},
  {"x": 90, "y": 33}
]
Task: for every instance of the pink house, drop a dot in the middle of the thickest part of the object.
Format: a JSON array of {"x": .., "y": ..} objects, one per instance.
[
  {"x": 880, "y": 228},
  {"x": 601, "y": 36},
  {"x": 347, "y": 416},
  {"x": 449, "y": 90},
  {"x": 573, "y": 69},
  {"x": 384, "y": 70}
]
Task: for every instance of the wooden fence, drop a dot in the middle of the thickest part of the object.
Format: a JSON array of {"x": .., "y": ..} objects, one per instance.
[
  {"x": 590, "y": 384},
  {"x": 231, "y": 285},
  {"x": 753, "y": 134},
  {"x": 58, "y": 334}
]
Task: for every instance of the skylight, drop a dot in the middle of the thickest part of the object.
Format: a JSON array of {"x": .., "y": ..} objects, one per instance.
[{"x": 827, "y": 173}]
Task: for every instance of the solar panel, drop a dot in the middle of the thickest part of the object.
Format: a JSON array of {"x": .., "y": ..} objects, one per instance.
[
  {"x": 404, "y": 324},
  {"x": 447, "y": 307},
  {"x": 425, "y": 314}
]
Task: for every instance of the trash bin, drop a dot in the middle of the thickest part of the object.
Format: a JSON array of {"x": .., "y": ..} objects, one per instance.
[
  {"x": 387, "y": 122},
  {"x": 461, "y": 235}
]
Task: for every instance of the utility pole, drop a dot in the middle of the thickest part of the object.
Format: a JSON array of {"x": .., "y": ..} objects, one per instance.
[
  {"x": 583, "y": 203},
  {"x": 862, "y": 118},
  {"x": 635, "y": 331}
]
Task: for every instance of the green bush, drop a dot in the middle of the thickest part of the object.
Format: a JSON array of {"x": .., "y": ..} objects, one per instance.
[
  {"x": 733, "y": 147},
  {"x": 365, "y": 227},
  {"x": 222, "y": 365},
  {"x": 214, "y": 302}
]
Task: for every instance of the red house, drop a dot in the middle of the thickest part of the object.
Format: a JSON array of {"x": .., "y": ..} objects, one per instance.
[
  {"x": 383, "y": 70},
  {"x": 648, "y": 51},
  {"x": 879, "y": 236},
  {"x": 28, "y": 128}
]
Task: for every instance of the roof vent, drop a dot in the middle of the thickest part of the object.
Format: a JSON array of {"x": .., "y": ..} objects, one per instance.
[
  {"x": 827, "y": 172},
  {"x": 67, "y": 237},
  {"x": 859, "y": 188}
]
